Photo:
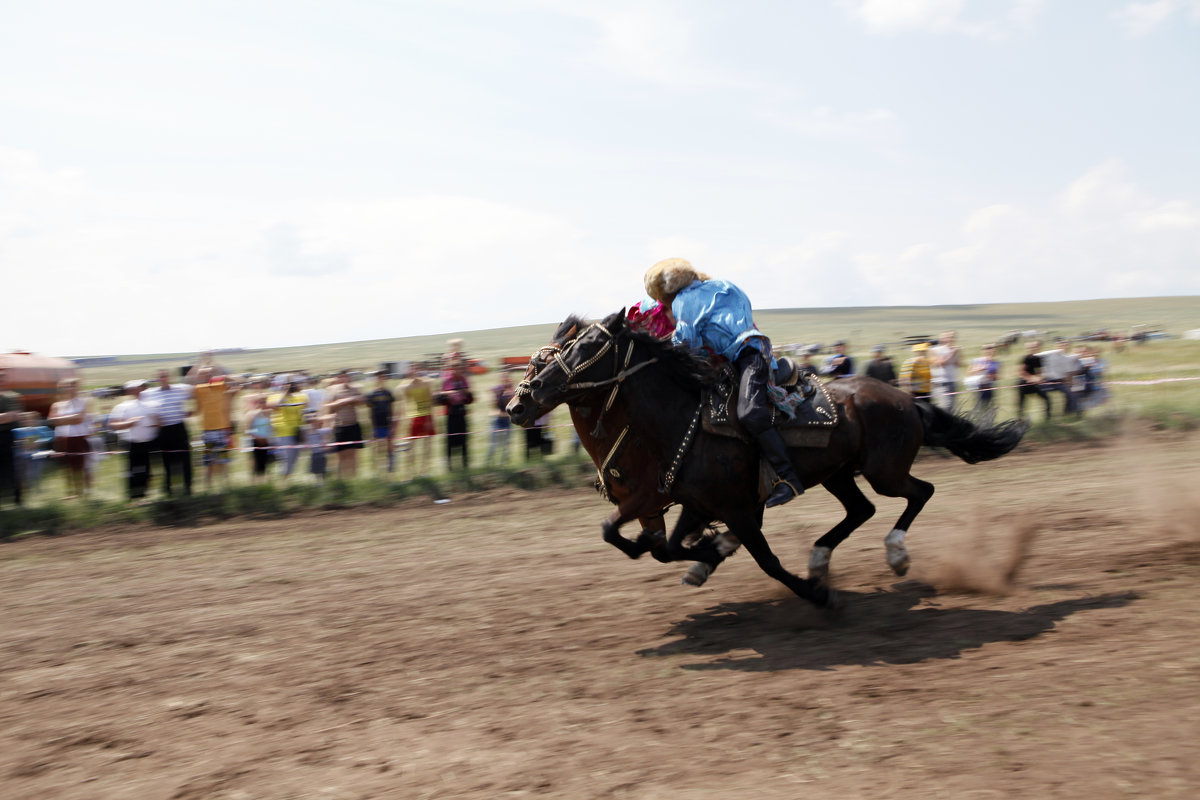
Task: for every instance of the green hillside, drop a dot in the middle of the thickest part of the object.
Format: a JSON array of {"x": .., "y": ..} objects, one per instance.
[{"x": 863, "y": 327}]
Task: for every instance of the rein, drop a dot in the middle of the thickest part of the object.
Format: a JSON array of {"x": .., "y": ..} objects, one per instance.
[{"x": 621, "y": 372}]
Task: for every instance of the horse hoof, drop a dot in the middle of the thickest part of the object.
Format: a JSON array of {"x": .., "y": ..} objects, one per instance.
[
  {"x": 818, "y": 564},
  {"x": 897, "y": 553},
  {"x": 696, "y": 575}
]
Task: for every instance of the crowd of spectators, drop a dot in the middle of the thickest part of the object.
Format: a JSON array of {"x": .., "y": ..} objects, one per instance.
[
  {"x": 936, "y": 371},
  {"x": 283, "y": 424}
]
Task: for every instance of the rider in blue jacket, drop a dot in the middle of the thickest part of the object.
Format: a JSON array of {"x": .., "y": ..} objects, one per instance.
[{"x": 716, "y": 316}]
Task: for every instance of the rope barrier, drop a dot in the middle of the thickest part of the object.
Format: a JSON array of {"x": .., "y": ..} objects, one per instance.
[{"x": 407, "y": 440}]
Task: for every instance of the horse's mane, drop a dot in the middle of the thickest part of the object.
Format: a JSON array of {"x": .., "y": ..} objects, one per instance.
[{"x": 678, "y": 361}]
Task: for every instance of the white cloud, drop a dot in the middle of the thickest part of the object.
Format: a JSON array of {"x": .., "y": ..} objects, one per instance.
[
  {"x": 890, "y": 17},
  {"x": 1103, "y": 235},
  {"x": 652, "y": 41},
  {"x": 1139, "y": 19},
  {"x": 130, "y": 273},
  {"x": 118, "y": 272},
  {"x": 824, "y": 122}
]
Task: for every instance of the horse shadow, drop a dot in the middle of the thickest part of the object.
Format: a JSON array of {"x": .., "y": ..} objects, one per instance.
[{"x": 882, "y": 627}]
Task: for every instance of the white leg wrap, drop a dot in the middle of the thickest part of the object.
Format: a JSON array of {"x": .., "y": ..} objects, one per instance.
[
  {"x": 818, "y": 563},
  {"x": 727, "y": 544},
  {"x": 897, "y": 553},
  {"x": 697, "y": 574}
]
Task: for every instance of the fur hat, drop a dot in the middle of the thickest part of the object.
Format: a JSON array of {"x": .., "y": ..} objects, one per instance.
[{"x": 670, "y": 275}]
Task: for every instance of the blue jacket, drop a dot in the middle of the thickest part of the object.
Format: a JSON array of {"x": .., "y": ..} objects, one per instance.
[{"x": 716, "y": 315}]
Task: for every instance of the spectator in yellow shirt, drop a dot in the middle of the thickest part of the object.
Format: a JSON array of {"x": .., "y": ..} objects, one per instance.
[
  {"x": 213, "y": 395},
  {"x": 287, "y": 415},
  {"x": 917, "y": 374},
  {"x": 418, "y": 398}
]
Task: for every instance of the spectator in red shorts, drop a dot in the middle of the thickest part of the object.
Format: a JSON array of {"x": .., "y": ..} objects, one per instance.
[{"x": 418, "y": 397}]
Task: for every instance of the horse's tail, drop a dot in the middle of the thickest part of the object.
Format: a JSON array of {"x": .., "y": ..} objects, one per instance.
[{"x": 966, "y": 439}]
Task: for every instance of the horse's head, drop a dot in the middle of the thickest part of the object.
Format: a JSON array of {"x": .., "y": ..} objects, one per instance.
[{"x": 566, "y": 368}]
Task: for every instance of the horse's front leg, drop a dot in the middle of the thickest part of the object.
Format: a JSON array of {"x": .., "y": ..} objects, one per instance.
[
  {"x": 748, "y": 528},
  {"x": 654, "y": 530}
]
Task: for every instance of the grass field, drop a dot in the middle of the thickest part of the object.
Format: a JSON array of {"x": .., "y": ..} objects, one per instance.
[{"x": 863, "y": 327}]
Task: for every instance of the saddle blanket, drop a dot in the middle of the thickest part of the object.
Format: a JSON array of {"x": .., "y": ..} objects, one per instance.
[{"x": 812, "y": 425}]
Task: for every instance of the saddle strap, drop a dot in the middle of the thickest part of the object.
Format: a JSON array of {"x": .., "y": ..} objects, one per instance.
[
  {"x": 603, "y": 472},
  {"x": 669, "y": 479}
]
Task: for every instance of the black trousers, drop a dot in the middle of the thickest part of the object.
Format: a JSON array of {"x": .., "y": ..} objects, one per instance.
[
  {"x": 10, "y": 477},
  {"x": 753, "y": 402},
  {"x": 176, "y": 451},
  {"x": 456, "y": 436},
  {"x": 1026, "y": 389},
  {"x": 139, "y": 468}
]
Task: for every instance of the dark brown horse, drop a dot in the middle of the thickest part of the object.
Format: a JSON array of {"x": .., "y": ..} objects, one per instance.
[
  {"x": 716, "y": 477},
  {"x": 625, "y": 477}
]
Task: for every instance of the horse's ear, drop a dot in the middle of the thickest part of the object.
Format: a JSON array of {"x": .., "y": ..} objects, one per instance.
[{"x": 614, "y": 322}]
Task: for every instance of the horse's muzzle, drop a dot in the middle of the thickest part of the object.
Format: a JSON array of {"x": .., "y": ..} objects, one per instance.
[{"x": 522, "y": 411}]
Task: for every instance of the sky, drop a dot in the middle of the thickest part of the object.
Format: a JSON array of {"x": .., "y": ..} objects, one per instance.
[{"x": 186, "y": 176}]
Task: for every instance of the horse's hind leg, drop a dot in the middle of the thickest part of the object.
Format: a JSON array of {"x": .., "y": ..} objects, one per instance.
[
  {"x": 708, "y": 555},
  {"x": 858, "y": 510},
  {"x": 698, "y": 573},
  {"x": 917, "y": 492}
]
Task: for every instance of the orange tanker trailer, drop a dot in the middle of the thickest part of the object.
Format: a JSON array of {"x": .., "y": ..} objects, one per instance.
[{"x": 34, "y": 378}]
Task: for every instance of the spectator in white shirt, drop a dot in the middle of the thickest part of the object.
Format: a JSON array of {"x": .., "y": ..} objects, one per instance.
[
  {"x": 174, "y": 443},
  {"x": 945, "y": 362},
  {"x": 136, "y": 424}
]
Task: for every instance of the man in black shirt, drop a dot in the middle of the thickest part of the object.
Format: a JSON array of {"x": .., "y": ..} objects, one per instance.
[
  {"x": 840, "y": 365},
  {"x": 381, "y": 403},
  {"x": 1029, "y": 378},
  {"x": 880, "y": 366}
]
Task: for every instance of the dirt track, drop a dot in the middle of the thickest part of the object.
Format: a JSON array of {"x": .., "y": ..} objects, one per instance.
[{"x": 495, "y": 647}]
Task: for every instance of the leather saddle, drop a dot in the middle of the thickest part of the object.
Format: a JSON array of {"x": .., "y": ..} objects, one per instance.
[{"x": 815, "y": 417}]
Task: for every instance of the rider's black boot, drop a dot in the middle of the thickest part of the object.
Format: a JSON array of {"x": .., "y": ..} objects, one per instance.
[{"x": 788, "y": 485}]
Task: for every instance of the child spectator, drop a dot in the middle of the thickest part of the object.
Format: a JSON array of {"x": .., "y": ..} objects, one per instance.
[
  {"x": 498, "y": 446},
  {"x": 33, "y": 440},
  {"x": 259, "y": 431}
]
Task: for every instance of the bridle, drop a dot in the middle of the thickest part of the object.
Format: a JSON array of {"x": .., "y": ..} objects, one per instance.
[
  {"x": 557, "y": 352},
  {"x": 539, "y": 361}
]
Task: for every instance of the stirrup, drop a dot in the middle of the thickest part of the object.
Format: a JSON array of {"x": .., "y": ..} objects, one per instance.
[{"x": 778, "y": 497}]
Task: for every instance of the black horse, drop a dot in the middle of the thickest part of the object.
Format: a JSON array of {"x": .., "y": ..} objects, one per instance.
[{"x": 716, "y": 478}]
